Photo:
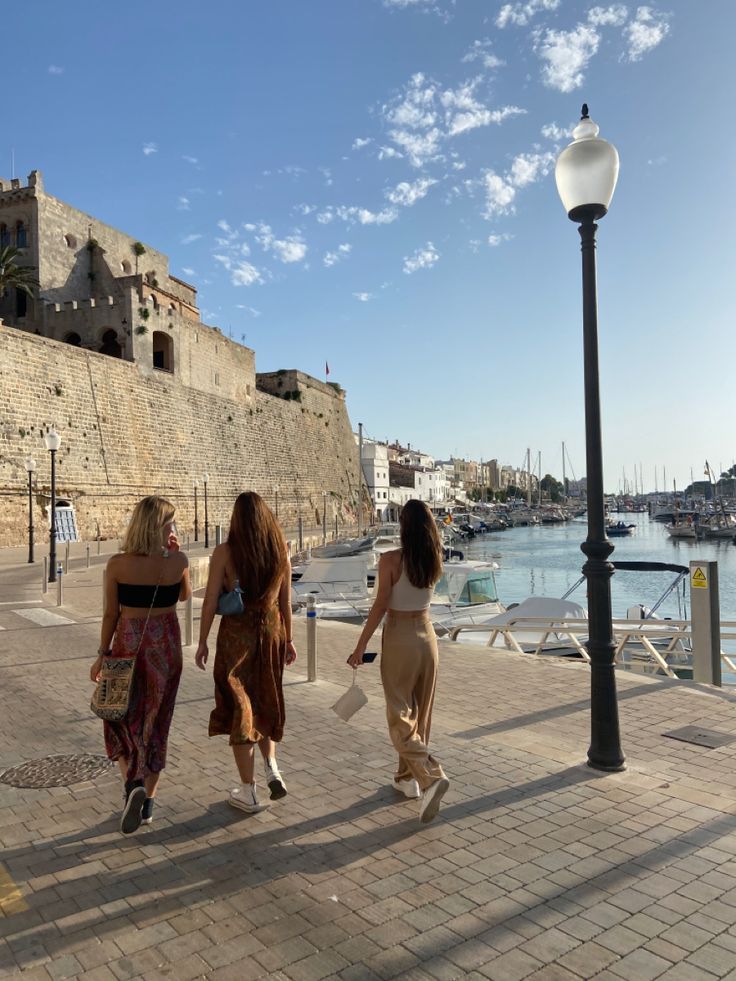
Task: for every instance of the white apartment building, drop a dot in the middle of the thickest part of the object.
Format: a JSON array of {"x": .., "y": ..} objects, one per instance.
[{"x": 375, "y": 471}]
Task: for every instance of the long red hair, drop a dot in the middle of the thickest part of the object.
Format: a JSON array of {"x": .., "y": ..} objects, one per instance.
[{"x": 257, "y": 547}]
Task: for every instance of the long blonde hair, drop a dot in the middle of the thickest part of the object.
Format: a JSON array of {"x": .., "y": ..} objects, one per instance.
[
  {"x": 145, "y": 531},
  {"x": 421, "y": 548},
  {"x": 257, "y": 547}
]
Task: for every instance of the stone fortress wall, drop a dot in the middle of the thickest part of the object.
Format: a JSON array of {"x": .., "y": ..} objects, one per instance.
[{"x": 151, "y": 410}]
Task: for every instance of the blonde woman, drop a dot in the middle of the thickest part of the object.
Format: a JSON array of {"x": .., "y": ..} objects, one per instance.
[
  {"x": 143, "y": 584},
  {"x": 406, "y": 580},
  {"x": 252, "y": 646}
]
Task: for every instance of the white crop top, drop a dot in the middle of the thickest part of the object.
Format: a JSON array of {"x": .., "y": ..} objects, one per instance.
[{"x": 404, "y": 596}]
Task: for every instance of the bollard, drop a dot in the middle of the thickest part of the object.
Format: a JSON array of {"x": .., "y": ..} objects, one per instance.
[
  {"x": 336, "y": 528},
  {"x": 45, "y": 587},
  {"x": 66, "y": 558},
  {"x": 87, "y": 547},
  {"x": 189, "y": 623},
  {"x": 98, "y": 544},
  {"x": 311, "y": 639},
  {"x": 309, "y": 551},
  {"x": 59, "y": 587},
  {"x": 301, "y": 534},
  {"x": 705, "y": 614},
  {"x": 218, "y": 534}
]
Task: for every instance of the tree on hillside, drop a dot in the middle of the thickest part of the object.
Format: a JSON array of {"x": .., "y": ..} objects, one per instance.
[{"x": 13, "y": 276}]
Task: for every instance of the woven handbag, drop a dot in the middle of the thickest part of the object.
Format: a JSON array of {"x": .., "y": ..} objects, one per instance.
[{"x": 111, "y": 697}]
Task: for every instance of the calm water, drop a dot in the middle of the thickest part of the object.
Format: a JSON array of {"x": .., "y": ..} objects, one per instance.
[{"x": 546, "y": 560}]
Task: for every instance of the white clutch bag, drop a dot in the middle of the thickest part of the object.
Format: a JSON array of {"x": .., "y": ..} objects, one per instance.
[{"x": 350, "y": 701}]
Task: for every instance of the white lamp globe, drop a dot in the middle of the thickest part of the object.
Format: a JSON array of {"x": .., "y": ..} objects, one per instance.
[
  {"x": 586, "y": 172},
  {"x": 52, "y": 440},
  {"x": 30, "y": 464}
]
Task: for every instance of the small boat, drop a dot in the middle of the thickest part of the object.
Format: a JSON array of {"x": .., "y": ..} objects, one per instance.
[
  {"x": 682, "y": 529},
  {"x": 719, "y": 525},
  {"x": 617, "y": 529}
]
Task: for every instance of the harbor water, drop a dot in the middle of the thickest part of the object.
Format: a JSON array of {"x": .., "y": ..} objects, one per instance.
[{"x": 545, "y": 560}]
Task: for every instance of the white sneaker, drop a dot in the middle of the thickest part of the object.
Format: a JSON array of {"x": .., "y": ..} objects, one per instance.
[
  {"x": 245, "y": 799},
  {"x": 274, "y": 779},
  {"x": 409, "y": 788},
  {"x": 431, "y": 799}
]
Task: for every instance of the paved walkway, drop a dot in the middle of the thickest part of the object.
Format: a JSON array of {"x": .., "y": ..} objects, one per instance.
[{"x": 537, "y": 867}]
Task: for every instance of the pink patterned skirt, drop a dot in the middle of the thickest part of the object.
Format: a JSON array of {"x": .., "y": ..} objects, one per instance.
[{"x": 141, "y": 737}]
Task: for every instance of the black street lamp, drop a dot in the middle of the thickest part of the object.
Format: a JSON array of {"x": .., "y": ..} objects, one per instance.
[
  {"x": 205, "y": 481},
  {"x": 196, "y": 512},
  {"x": 586, "y": 174},
  {"x": 52, "y": 441},
  {"x": 30, "y": 468},
  {"x": 324, "y": 517}
]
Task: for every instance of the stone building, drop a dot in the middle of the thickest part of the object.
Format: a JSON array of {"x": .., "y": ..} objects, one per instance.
[{"x": 113, "y": 353}]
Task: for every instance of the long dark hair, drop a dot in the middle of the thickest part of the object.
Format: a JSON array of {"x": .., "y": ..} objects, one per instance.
[
  {"x": 257, "y": 547},
  {"x": 420, "y": 545}
]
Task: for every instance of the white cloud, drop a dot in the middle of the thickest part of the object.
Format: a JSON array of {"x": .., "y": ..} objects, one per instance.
[
  {"x": 287, "y": 250},
  {"x": 327, "y": 174},
  {"x": 188, "y": 271},
  {"x": 406, "y": 194},
  {"x": 251, "y": 310},
  {"x": 388, "y": 153},
  {"x": 245, "y": 274},
  {"x": 494, "y": 240},
  {"x": 645, "y": 32},
  {"x": 182, "y": 203},
  {"x": 360, "y": 142},
  {"x": 326, "y": 216},
  {"x": 363, "y": 297},
  {"x": 149, "y": 148},
  {"x": 551, "y": 131},
  {"x": 188, "y": 239},
  {"x": 55, "y": 70},
  {"x": 520, "y": 14},
  {"x": 305, "y": 209},
  {"x": 332, "y": 258},
  {"x": 481, "y": 51},
  {"x": 190, "y": 160},
  {"x": 500, "y": 190},
  {"x": 566, "y": 55},
  {"x": 423, "y": 117},
  {"x": 613, "y": 16},
  {"x": 421, "y": 259}
]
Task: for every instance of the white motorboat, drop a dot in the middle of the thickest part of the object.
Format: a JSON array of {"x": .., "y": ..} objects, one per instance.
[
  {"x": 682, "y": 529},
  {"x": 339, "y": 586},
  {"x": 465, "y": 594},
  {"x": 720, "y": 525}
]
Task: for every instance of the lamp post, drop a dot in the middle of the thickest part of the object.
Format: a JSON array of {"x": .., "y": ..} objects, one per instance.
[
  {"x": 324, "y": 517},
  {"x": 196, "y": 512},
  {"x": 586, "y": 174},
  {"x": 205, "y": 481},
  {"x": 276, "y": 500},
  {"x": 30, "y": 468},
  {"x": 52, "y": 441}
]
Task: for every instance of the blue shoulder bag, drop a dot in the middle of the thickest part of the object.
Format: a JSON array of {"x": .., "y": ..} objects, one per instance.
[{"x": 231, "y": 604}]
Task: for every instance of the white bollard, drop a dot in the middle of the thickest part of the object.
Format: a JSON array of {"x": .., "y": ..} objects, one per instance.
[
  {"x": 45, "y": 587},
  {"x": 311, "y": 639},
  {"x": 189, "y": 623},
  {"x": 59, "y": 587}
]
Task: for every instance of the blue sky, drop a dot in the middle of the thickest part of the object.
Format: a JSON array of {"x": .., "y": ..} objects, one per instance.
[{"x": 370, "y": 183}]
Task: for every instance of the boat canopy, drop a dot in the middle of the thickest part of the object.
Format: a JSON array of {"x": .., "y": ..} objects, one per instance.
[{"x": 680, "y": 570}]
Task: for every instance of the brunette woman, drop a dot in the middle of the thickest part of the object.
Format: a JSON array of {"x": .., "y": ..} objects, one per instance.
[
  {"x": 406, "y": 579},
  {"x": 252, "y": 646},
  {"x": 143, "y": 584}
]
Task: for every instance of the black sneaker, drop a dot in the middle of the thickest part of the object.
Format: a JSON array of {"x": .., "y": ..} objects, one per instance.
[
  {"x": 275, "y": 781},
  {"x": 147, "y": 812},
  {"x": 131, "y": 817}
]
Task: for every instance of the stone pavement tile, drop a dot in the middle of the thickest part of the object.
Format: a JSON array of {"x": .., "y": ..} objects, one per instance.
[
  {"x": 684, "y": 934},
  {"x": 587, "y": 959},
  {"x": 640, "y": 964},
  {"x": 685, "y": 972},
  {"x": 244, "y": 970},
  {"x": 714, "y": 959},
  {"x": 392, "y": 963},
  {"x": 357, "y": 949},
  {"x": 432, "y": 941},
  {"x": 581, "y": 929},
  {"x": 514, "y": 965},
  {"x": 620, "y": 940},
  {"x": 471, "y": 954},
  {"x": 101, "y": 973},
  {"x": 605, "y": 914},
  {"x": 131, "y": 941},
  {"x": 358, "y": 972},
  {"x": 66, "y": 966},
  {"x": 35, "y": 974},
  {"x": 552, "y": 972},
  {"x": 442, "y": 969},
  {"x": 392, "y": 933},
  {"x": 549, "y": 945},
  {"x": 647, "y": 926},
  {"x": 663, "y": 948},
  {"x": 230, "y": 951},
  {"x": 278, "y": 956},
  {"x": 141, "y": 962}
]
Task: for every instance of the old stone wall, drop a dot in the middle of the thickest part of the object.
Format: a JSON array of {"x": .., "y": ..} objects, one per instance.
[{"x": 126, "y": 434}]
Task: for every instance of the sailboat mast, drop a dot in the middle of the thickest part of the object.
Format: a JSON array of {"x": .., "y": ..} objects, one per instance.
[
  {"x": 528, "y": 477},
  {"x": 564, "y": 479}
]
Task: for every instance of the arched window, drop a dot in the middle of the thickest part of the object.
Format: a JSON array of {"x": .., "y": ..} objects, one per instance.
[
  {"x": 73, "y": 338},
  {"x": 163, "y": 351},
  {"x": 4, "y": 236},
  {"x": 70, "y": 240},
  {"x": 21, "y": 239},
  {"x": 126, "y": 267},
  {"x": 110, "y": 344}
]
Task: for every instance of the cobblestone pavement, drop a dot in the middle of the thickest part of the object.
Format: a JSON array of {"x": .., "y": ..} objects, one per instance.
[{"x": 537, "y": 867}]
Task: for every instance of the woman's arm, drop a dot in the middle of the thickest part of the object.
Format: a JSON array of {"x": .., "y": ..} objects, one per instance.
[
  {"x": 215, "y": 581},
  {"x": 110, "y": 615},
  {"x": 185, "y": 590},
  {"x": 285, "y": 610},
  {"x": 378, "y": 610}
]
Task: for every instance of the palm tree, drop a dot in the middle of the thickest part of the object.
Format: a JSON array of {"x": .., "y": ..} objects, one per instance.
[{"x": 11, "y": 275}]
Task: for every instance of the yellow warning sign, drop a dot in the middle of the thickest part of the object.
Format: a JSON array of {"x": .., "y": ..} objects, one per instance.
[{"x": 699, "y": 579}]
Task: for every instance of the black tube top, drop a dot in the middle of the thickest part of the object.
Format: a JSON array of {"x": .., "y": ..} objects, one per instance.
[{"x": 142, "y": 596}]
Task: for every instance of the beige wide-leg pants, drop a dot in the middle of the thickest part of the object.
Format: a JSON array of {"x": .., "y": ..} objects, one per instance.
[{"x": 409, "y": 674}]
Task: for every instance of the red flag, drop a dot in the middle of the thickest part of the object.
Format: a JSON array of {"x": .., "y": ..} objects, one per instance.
[{"x": 327, "y": 368}]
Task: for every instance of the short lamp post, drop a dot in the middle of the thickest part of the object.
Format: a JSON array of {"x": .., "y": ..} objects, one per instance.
[
  {"x": 586, "y": 174},
  {"x": 324, "y": 517},
  {"x": 30, "y": 469},
  {"x": 205, "y": 481},
  {"x": 196, "y": 512},
  {"x": 52, "y": 441},
  {"x": 276, "y": 500}
]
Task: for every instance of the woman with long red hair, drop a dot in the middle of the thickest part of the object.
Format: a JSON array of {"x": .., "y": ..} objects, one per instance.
[{"x": 252, "y": 646}]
